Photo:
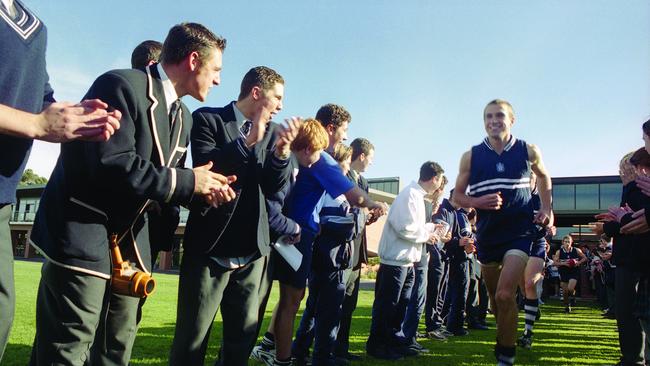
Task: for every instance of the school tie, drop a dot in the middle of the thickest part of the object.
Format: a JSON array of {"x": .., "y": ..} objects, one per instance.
[
  {"x": 246, "y": 128},
  {"x": 173, "y": 113}
]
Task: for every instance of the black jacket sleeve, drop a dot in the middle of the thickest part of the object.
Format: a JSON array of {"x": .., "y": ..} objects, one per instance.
[
  {"x": 278, "y": 222},
  {"x": 118, "y": 159}
]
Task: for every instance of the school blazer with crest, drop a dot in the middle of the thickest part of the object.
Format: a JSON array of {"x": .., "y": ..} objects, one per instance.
[
  {"x": 97, "y": 189},
  {"x": 215, "y": 136}
]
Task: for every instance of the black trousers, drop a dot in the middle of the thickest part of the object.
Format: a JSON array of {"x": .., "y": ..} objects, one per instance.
[
  {"x": 352, "y": 279},
  {"x": 630, "y": 334},
  {"x": 457, "y": 290},
  {"x": 204, "y": 287},
  {"x": 436, "y": 287}
]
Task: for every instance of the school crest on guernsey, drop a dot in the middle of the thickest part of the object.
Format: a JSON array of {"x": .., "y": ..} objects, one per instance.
[{"x": 500, "y": 167}]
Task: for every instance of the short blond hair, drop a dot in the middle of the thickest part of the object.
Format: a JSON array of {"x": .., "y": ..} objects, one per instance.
[
  {"x": 501, "y": 103},
  {"x": 342, "y": 152},
  {"x": 311, "y": 135},
  {"x": 626, "y": 169}
]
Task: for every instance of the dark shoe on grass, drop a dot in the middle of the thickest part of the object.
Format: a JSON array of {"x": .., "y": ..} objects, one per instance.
[
  {"x": 340, "y": 361},
  {"x": 477, "y": 326},
  {"x": 526, "y": 340},
  {"x": 384, "y": 353},
  {"x": 350, "y": 357},
  {"x": 406, "y": 351},
  {"x": 460, "y": 332}
]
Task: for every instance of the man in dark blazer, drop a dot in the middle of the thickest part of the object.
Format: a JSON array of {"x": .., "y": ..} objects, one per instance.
[
  {"x": 163, "y": 218},
  {"x": 224, "y": 248},
  {"x": 101, "y": 189}
]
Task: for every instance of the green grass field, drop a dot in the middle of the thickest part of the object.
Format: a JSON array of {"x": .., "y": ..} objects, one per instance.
[{"x": 580, "y": 338}]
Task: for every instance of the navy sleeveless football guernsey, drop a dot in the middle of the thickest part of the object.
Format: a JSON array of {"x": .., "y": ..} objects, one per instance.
[
  {"x": 573, "y": 254},
  {"x": 508, "y": 173}
]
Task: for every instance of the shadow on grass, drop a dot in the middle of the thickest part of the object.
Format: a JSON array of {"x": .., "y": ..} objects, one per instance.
[
  {"x": 16, "y": 354},
  {"x": 580, "y": 338}
]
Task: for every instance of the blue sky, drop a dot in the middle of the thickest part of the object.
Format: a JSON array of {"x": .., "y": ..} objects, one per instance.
[{"x": 415, "y": 75}]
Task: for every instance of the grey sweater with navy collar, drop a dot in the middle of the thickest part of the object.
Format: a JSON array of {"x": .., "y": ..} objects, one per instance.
[{"x": 23, "y": 85}]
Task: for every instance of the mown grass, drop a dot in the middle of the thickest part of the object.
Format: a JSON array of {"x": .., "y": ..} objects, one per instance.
[{"x": 580, "y": 338}]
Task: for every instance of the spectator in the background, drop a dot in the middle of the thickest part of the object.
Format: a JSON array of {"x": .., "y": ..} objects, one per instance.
[
  {"x": 415, "y": 306},
  {"x": 458, "y": 250},
  {"x": 145, "y": 54},
  {"x": 311, "y": 141},
  {"x": 399, "y": 247},
  {"x": 477, "y": 296},
  {"x": 332, "y": 254},
  {"x": 323, "y": 176},
  {"x": 363, "y": 153},
  {"x": 604, "y": 276},
  {"x": 630, "y": 253},
  {"x": 437, "y": 282}
]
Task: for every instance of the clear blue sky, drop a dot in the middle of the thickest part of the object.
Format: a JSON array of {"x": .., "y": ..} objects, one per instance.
[{"x": 415, "y": 75}]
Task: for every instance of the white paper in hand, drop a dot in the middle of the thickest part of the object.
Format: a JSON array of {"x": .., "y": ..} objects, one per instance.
[{"x": 289, "y": 252}]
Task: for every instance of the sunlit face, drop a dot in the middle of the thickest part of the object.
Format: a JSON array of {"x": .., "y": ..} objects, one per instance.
[
  {"x": 307, "y": 158},
  {"x": 646, "y": 141},
  {"x": 345, "y": 165},
  {"x": 497, "y": 121},
  {"x": 205, "y": 75},
  {"x": 271, "y": 99},
  {"x": 433, "y": 185},
  {"x": 338, "y": 134},
  {"x": 366, "y": 160}
]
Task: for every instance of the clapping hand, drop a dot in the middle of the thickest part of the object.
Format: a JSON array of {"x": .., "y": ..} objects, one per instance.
[
  {"x": 213, "y": 186},
  {"x": 286, "y": 135},
  {"x": 638, "y": 225},
  {"x": 619, "y": 212},
  {"x": 88, "y": 120}
]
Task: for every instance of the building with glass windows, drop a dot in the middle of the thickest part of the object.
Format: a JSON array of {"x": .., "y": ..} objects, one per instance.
[
  {"x": 390, "y": 185},
  {"x": 577, "y": 199}
]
